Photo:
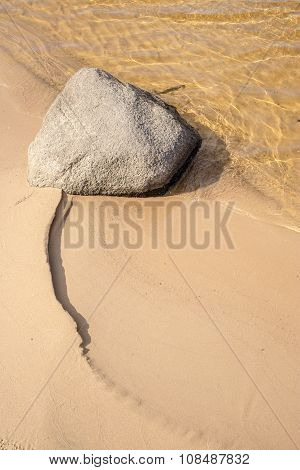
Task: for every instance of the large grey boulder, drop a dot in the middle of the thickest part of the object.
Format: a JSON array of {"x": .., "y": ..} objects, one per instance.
[{"x": 102, "y": 136}]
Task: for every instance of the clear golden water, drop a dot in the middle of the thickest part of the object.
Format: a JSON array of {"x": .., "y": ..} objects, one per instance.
[{"x": 236, "y": 63}]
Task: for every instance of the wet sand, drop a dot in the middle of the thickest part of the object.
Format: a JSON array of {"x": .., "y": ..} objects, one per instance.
[
  {"x": 232, "y": 68},
  {"x": 181, "y": 348}
]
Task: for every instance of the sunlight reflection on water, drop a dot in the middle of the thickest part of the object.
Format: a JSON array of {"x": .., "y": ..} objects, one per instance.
[{"x": 238, "y": 65}]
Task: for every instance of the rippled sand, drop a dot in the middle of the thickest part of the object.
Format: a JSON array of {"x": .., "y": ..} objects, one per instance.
[{"x": 236, "y": 65}]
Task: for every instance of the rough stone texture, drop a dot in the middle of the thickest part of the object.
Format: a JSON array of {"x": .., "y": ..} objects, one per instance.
[{"x": 102, "y": 136}]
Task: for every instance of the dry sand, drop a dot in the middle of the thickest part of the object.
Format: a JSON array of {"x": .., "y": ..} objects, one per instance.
[{"x": 186, "y": 349}]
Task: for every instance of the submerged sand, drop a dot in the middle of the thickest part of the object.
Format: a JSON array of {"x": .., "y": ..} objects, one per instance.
[{"x": 183, "y": 348}]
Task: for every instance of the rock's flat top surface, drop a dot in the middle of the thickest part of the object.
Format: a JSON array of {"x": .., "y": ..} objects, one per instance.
[{"x": 102, "y": 136}]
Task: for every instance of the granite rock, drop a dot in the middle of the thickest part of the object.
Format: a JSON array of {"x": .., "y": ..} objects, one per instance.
[{"x": 103, "y": 136}]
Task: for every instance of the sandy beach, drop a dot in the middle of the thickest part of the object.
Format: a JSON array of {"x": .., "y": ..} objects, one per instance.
[{"x": 142, "y": 348}]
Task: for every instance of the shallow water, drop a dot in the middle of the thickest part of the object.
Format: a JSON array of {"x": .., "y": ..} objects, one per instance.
[{"x": 234, "y": 63}]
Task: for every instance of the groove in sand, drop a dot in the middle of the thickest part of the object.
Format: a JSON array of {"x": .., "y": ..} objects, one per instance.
[{"x": 58, "y": 272}]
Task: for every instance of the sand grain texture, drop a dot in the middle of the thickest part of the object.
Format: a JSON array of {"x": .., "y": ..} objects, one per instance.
[{"x": 186, "y": 350}]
